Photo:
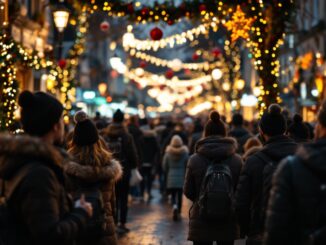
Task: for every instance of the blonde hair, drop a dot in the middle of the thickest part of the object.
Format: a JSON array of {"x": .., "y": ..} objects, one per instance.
[
  {"x": 96, "y": 155},
  {"x": 252, "y": 142}
]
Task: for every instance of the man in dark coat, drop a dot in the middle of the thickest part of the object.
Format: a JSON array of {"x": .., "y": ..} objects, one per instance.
[
  {"x": 252, "y": 196},
  {"x": 239, "y": 132},
  {"x": 297, "y": 208},
  {"x": 128, "y": 159},
  {"x": 39, "y": 208}
]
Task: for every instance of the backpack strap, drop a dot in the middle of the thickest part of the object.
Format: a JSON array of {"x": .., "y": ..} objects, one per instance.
[{"x": 8, "y": 187}]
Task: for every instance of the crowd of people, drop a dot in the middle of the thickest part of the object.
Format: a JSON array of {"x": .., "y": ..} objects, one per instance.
[{"x": 262, "y": 181}]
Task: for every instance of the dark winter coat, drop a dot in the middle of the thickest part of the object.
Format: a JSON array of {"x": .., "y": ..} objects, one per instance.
[
  {"x": 129, "y": 152},
  {"x": 82, "y": 176},
  {"x": 241, "y": 135},
  {"x": 174, "y": 165},
  {"x": 40, "y": 207},
  {"x": 150, "y": 148},
  {"x": 193, "y": 141},
  {"x": 215, "y": 149},
  {"x": 137, "y": 135},
  {"x": 249, "y": 204},
  {"x": 295, "y": 206}
]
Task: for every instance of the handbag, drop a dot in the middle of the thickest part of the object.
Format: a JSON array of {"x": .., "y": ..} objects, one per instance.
[{"x": 135, "y": 178}]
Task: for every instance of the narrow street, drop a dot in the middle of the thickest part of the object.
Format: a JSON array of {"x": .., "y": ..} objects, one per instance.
[{"x": 151, "y": 224}]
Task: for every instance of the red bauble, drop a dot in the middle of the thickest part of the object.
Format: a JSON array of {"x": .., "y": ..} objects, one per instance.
[
  {"x": 162, "y": 87},
  {"x": 216, "y": 52},
  {"x": 145, "y": 11},
  {"x": 189, "y": 88},
  {"x": 170, "y": 22},
  {"x": 202, "y": 7},
  {"x": 195, "y": 56},
  {"x": 169, "y": 74},
  {"x": 62, "y": 63},
  {"x": 130, "y": 8},
  {"x": 142, "y": 64},
  {"x": 187, "y": 72},
  {"x": 156, "y": 34},
  {"x": 114, "y": 74},
  {"x": 105, "y": 26}
]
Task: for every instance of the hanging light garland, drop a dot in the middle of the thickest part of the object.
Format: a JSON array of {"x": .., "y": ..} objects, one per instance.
[
  {"x": 174, "y": 64},
  {"x": 130, "y": 42}
]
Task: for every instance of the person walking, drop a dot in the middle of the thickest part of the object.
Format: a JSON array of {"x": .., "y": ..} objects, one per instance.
[
  {"x": 94, "y": 172},
  {"x": 255, "y": 181},
  {"x": 297, "y": 208},
  {"x": 31, "y": 168},
  {"x": 174, "y": 164},
  {"x": 239, "y": 132},
  {"x": 215, "y": 156},
  {"x": 122, "y": 146},
  {"x": 298, "y": 130}
]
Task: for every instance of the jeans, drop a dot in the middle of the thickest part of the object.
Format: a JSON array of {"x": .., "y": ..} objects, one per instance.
[
  {"x": 217, "y": 242},
  {"x": 176, "y": 194},
  {"x": 146, "y": 173},
  {"x": 122, "y": 192}
]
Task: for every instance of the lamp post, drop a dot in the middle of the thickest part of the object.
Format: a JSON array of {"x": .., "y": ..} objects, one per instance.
[{"x": 60, "y": 17}]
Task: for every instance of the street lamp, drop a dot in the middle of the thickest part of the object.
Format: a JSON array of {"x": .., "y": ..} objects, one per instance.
[{"x": 60, "y": 17}]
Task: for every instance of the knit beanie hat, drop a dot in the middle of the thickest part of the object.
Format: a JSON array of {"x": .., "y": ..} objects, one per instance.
[
  {"x": 176, "y": 141},
  {"x": 237, "y": 119},
  {"x": 298, "y": 129},
  {"x": 118, "y": 116},
  {"x": 39, "y": 112},
  {"x": 215, "y": 126},
  {"x": 85, "y": 132},
  {"x": 273, "y": 122}
]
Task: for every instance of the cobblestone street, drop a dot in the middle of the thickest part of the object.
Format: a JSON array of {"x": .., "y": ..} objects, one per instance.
[{"x": 151, "y": 224}]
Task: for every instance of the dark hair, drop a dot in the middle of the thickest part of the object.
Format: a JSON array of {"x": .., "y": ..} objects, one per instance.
[
  {"x": 298, "y": 130},
  {"x": 237, "y": 119},
  {"x": 214, "y": 126}
]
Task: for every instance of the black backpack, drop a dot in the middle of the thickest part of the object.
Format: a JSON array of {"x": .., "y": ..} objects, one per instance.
[
  {"x": 95, "y": 227},
  {"x": 8, "y": 233},
  {"x": 216, "y": 193},
  {"x": 115, "y": 145}
]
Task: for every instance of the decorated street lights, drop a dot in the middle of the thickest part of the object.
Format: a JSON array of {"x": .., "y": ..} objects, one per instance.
[{"x": 61, "y": 17}]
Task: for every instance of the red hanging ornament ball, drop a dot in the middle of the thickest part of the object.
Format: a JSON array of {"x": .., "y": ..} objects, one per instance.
[
  {"x": 170, "y": 22},
  {"x": 145, "y": 11},
  {"x": 169, "y": 74},
  {"x": 216, "y": 52},
  {"x": 130, "y": 8},
  {"x": 195, "y": 56},
  {"x": 62, "y": 63},
  {"x": 162, "y": 87},
  {"x": 105, "y": 26},
  {"x": 114, "y": 74},
  {"x": 187, "y": 72},
  {"x": 202, "y": 7},
  {"x": 189, "y": 88},
  {"x": 142, "y": 64},
  {"x": 156, "y": 34}
]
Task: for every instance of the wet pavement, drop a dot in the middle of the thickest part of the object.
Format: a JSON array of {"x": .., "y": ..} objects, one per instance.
[{"x": 151, "y": 224}]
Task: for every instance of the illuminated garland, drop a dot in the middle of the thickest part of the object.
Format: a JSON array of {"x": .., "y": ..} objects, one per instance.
[
  {"x": 175, "y": 64},
  {"x": 130, "y": 42}
]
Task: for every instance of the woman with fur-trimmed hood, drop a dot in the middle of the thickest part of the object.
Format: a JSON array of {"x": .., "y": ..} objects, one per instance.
[
  {"x": 174, "y": 164},
  {"x": 214, "y": 148},
  {"x": 94, "y": 168}
]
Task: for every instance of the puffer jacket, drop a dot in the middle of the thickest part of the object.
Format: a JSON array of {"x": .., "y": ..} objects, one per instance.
[
  {"x": 215, "y": 149},
  {"x": 174, "y": 165},
  {"x": 249, "y": 196},
  {"x": 40, "y": 208},
  {"x": 297, "y": 207},
  {"x": 83, "y": 176}
]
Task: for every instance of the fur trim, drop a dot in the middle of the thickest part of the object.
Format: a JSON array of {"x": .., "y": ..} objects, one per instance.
[
  {"x": 26, "y": 147},
  {"x": 111, "y": 171},
  {"x": 177, "y": 150},
  {"x": 115, "y": 129}
]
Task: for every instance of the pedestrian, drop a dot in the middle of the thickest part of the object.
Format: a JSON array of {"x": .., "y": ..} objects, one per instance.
[
  {"x": 297, "y": 207},
  {"x": 151, "y": 154},
  {"x": 255, "y": 181},
  {"x": 31, "y": 167},
  {"x": 196, "y": 136},
  {"x": 214, "y": 152},
  {"x": 122, "y": 146},
  {"x": 174, "y": 164},
  {"x": 239, "y": 132},
  {"x": 252, "y": 146},
  {"x": 298, "y": 130},
  {"x": 94, "y": 172}
]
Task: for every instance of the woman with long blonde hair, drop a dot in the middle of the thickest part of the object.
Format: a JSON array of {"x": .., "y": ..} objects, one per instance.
[{"x": 94, "y": 173}]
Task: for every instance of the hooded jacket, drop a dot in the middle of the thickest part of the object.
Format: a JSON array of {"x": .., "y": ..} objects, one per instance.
[
  {"x": 174, "y": 164},
  {"x": 129, "y": 152},
  {"x": 297, "y": 207},
  {"x": 83, "y": 176},
  {"x": 39, "y": 207},
  {"x": 215, "y": 149},
  {"x": 249, "y": 195}
]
